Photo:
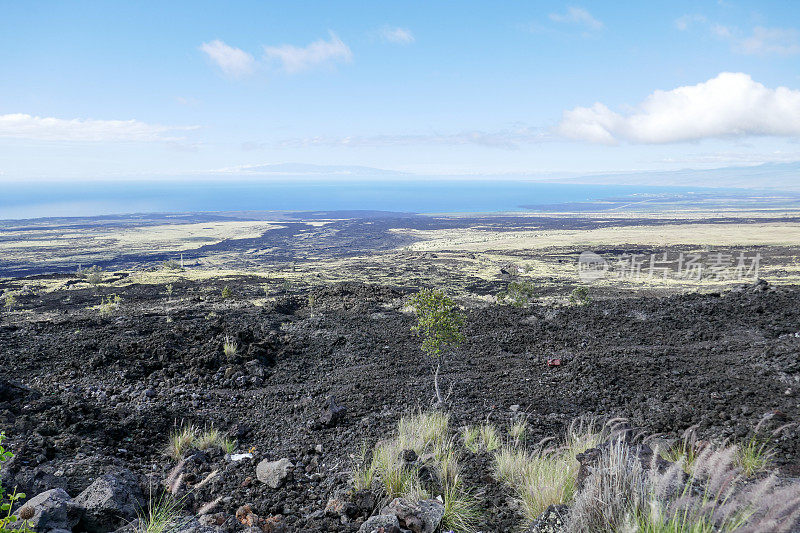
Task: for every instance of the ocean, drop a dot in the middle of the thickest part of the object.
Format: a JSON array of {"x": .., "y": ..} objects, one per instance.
[{"x": 72, "y": 199}]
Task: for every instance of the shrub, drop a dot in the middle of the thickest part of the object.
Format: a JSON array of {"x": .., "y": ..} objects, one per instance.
[
  {"x": 579, "y": 296},
  {"x": 439, "y": 323},
  {"x": 109, "y": 304},
  {"x": 171, "y": 265},
  {"x": 10, "y": 301},
  {"x": 8, "y": 522},
  {"x": 168, "y": 289},
  {"x": 518, "y": 293},
  {"x": 93, "y": 275},
  {"x": 227, "y": 292}
]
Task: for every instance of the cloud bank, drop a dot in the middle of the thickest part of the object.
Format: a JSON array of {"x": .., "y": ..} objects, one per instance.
[
  {"x": 295, "y": 59},
  {"x": 232, "y": 61},
  {"x": 22, "y": 126},
  {"x": 729, "y": 105}
]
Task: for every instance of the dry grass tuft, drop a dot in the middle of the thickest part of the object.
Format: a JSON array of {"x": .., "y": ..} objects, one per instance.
[{"x": 189, "y": 437}]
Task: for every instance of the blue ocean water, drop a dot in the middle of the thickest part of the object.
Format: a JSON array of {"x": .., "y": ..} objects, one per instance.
[{"x": 56, "y": 199}]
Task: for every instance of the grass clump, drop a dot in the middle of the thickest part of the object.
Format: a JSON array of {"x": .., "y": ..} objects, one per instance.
[
  {"x": 544, "y": 476},
  {"x": 518, "y": 431},
  {"x": 422, "y": 446},
  {"x": 479, "y": 439},
  {"x": 623, "y": 495},
  {"x": 229, "y": 347},
  {"x": 754, "y": 456},
  {"x": 160, "y": 516},
  {"x": 189, "y": 437},
  {"x": 471, "y": 436},
  {"x": 227, "y": 292}
]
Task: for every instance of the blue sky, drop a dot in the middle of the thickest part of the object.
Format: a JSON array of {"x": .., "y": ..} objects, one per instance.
[{"x": 182, "y": 89}]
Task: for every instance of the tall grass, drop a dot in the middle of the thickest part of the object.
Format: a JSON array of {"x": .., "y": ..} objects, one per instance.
[
  {"x": 189, "y": 436},
  {"x": 544, "y": 476},
  {"x": 389, "y": 472}
]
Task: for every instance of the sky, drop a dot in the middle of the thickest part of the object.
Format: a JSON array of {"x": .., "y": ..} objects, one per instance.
[{"x": 132, "y": 90}]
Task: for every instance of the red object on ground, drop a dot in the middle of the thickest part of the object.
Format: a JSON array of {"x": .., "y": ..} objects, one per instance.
[{"x": 554, "y": 362}]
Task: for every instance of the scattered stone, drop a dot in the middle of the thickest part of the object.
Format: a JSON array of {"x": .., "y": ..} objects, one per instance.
[
  {"x": 51, "y": 511},
  {"x": 423, "y": 516},
  {"x": 110, "y": 501},
  {"x": 333, "y": 414},
  {"x": 550, "y": 521},
  {"x": 272, "y": 473},
  {"x": 382, "y": 523}
]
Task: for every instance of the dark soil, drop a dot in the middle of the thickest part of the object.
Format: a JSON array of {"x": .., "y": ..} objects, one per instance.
[{"x": 81, "y": 394}]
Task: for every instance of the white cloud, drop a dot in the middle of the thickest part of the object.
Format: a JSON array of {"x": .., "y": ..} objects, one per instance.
[
  {"x": 397, "y": 35},
  {"x": 232, "y": 61},
  {"x": 579, "y": 16},
  {"x": 729, "y": 105},
  {"x": 297, "y": 59},
  {"x": 683, "y": 23},
  {"x": 767, "y": 41},
  {"x": 22, "y": 126}
]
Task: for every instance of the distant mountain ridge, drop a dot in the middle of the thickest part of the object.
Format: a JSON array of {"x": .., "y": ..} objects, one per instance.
[
  {"x": 769, "y": 176},
  {"x": 778, "y": 176}
]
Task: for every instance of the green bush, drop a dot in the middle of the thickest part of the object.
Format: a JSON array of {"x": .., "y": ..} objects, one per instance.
[
  {"x": 10, "y": 302},
  {"x": 518, "y": 293},
  {"x": 579, "y": 296},
  {"x": 227, "y": 292},
  {"x": 7, "y": 501}
]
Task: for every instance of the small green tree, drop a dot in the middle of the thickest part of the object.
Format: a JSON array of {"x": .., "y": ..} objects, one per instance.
[
  {"x": 227, "y": 292},
  {"x": 11, "y": 302},
  {"x": 439, "y": 323}
]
